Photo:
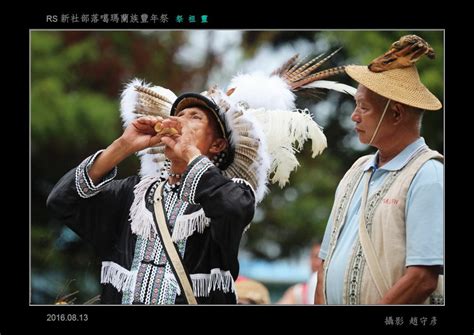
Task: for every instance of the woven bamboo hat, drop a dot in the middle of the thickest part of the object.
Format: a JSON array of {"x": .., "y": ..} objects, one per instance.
[
  {"x": 252, "y": 291},
  {"x": 394, "y": 74}
]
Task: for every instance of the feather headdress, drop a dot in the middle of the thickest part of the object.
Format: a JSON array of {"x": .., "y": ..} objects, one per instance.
[
  {"x": 258, "y": 112},
  {"x": 140, "y": 99},
  {"x": 271, "y": 101}
]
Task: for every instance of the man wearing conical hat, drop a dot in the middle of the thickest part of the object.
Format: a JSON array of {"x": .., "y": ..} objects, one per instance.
[{"x": 384, "y": 239}]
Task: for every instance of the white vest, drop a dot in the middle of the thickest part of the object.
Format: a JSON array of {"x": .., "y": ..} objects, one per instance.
[{"x": 389, "y": 240}]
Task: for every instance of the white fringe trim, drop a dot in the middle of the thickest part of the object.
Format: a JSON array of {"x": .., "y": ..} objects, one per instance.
[
  {"x": 203, "y": 283},
  {"x": 186, "y": 225},
  {"x": 141, "y": 218},
  {"x": 120, "y": 278},
  {"x": 171, "y": 279}
]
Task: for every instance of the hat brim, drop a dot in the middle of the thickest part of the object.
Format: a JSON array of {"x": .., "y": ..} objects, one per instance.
[{"x": 401, "y": 85}]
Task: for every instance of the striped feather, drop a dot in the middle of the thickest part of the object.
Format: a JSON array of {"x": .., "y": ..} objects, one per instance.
[
  {"x": 282, "y": 69},
  {"x": 152, "y": 93},
  {"x": 299, "y": 75},
  {"x": 317, "y": 65},
  {"x": 317, "y": 76},
  {"x": 305, "y": 68}
]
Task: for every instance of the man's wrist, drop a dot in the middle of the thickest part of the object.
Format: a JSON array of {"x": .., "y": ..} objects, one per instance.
[
  {"x": 191, "y": 155},
  {"x": 122, "y": 148}
]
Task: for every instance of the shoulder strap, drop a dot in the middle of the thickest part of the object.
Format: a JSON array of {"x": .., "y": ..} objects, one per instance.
[
  {"x": 367, "y": 246},
  {"x": 170, "y": 249}
]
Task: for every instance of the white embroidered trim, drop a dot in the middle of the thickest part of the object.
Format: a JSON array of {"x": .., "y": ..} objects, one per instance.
[
  {"x": 120, "y": 278},
  {"x": 203, "y": 283},
  {"x": 141, "y": 219},
  {"x": 84, "y": 185},
  {"x": 192, "y": 177},
  {"x": 243, "y": 181},
  {"x": 187, "y": 224}
]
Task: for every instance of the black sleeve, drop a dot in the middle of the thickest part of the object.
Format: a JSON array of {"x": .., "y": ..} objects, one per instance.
[
  {"x": 229, "y": 204},
  {"x": 97, "y": 214}
]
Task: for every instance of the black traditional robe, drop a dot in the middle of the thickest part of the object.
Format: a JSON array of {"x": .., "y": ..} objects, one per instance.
[{"x": 206, "y": 214}]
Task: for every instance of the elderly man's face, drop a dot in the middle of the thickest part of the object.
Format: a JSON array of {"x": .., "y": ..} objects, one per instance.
[
  {"x": 203, "y": 124},
  {"x": 367, "y": 113}
]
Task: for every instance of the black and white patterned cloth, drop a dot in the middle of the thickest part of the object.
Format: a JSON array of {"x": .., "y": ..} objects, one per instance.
[{"x": 206, "y": 214}]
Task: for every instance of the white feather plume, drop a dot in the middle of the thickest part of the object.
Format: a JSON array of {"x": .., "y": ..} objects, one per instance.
[
  {"x": 332, "y": 85},
  {"x": 150, "y": 164},
  {"x": 129, "y": 100},
  {"x": 259, "y": 90},
  {"x": 130, "y": 96},
  {"x": 285, "y": 133}
]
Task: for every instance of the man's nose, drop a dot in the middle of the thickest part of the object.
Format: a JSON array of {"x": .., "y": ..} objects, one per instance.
[{"x": 355, "y": 116}]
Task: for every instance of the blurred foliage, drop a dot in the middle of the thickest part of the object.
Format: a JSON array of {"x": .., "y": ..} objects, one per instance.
[{"x": 76, "y": 81}]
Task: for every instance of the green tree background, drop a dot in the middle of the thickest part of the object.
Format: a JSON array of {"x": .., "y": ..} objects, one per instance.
[{"x": 76, "y": 81}]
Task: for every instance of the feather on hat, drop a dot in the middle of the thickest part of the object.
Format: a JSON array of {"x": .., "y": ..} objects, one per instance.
[{"x": 258, "y": 116}]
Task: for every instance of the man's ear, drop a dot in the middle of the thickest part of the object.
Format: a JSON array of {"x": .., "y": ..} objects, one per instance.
[
  {"x": 398, "y": 112},
  {"x": 218, "y": 145}
]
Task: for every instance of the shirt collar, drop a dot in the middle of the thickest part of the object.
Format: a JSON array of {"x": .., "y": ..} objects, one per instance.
[{"x": 400, "y": 160}]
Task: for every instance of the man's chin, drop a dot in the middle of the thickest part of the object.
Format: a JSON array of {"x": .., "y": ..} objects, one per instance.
[{"x": 362, "y": 139}]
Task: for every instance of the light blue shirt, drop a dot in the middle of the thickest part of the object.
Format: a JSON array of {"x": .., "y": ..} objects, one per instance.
[{"x": 424, "y": 219}]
